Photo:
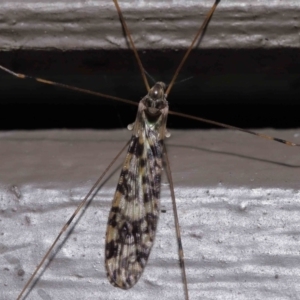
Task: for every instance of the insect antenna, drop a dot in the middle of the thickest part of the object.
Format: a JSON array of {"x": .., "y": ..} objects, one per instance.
[
  {"x": 150, "y": 77},
  {"x": 65, "y": 227}
]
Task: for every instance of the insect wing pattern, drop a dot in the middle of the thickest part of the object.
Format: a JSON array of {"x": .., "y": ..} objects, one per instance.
[{"x": 134, "y": 214}]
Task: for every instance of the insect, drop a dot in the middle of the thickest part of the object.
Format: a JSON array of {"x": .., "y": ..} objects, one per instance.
[{"x": 42, "y": 293}]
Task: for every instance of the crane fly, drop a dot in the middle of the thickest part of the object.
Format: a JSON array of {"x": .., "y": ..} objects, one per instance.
[{"x": 146, "y": 155}]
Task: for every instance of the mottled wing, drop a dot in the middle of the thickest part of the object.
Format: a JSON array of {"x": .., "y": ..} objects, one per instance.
[{"x": 134, "y": 214}]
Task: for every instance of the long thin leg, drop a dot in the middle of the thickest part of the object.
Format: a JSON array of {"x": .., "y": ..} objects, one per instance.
[
  {"x": 64, "y": 228},
  {"x": 176, "y": 219},
  {"x": 132, "y": 44},
  {"x": 199, "y": 33},
  {"x": 182, "y": 115}
]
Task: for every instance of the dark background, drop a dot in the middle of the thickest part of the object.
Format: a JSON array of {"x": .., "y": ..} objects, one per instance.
[{"x": 246, "y": 88}]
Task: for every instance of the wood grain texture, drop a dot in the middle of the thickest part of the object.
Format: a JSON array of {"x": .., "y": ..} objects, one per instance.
[{"x": 85, "y": 25}]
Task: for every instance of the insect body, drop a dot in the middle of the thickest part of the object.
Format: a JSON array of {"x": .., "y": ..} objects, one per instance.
[{"x": 134, "y": 214}]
